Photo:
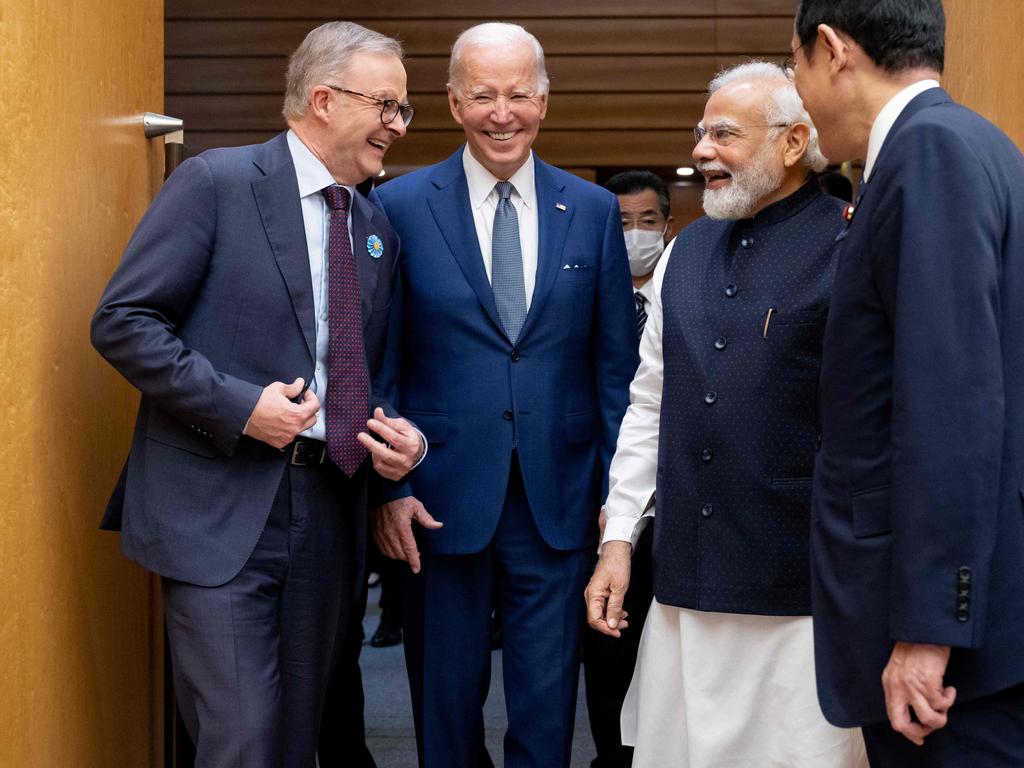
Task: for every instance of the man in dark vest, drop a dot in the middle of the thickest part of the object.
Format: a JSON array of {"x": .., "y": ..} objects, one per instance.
[{"x": 725, "y": 672}]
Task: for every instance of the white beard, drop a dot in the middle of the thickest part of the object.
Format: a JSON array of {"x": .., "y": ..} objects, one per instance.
[{"x": 750, "y": 184}]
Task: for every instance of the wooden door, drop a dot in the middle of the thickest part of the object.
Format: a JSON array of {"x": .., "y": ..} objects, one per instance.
[{"x": 80, "y": 647}]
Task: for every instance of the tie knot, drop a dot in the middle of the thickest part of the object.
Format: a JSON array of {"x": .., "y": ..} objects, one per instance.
[
  {"x": 504, "y": 189},
  {"x": 337, "y": 197},
  {"x": 640, "y": 298}
]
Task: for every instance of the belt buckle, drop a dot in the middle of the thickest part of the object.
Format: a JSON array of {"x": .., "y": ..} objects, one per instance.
[{"x": 306, "y": 459}]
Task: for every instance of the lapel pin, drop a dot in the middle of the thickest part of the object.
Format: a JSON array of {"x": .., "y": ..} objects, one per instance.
[
  {"x": 560, "y": 206},
  {"x": 374, "y": 246},
  {"x": 848, "y": 214}
]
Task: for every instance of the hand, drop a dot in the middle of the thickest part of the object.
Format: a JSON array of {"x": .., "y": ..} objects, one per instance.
[
  {"x": 913, "y": 678},
  {"x": 403, "y": 448},
  {"x": 276, "y": 420},
  {"x": 607, "y": 588},
  {"x": 392, "y": 529}
]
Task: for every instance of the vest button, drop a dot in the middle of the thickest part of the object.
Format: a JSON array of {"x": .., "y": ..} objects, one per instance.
[
  {"x": 507, "y": 415},
  {"x": 731, "y": 290},
  {"x": 706, "y": 455},
  {"x": 747, "y": 242},
  {"x": 515, "y": 355},
  {"x": 710, "y": 397},
  {"x": 706, "y": 511},
  {"x": 720, "y": 343}
]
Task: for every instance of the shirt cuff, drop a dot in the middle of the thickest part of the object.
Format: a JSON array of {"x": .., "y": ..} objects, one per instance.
[{"x": 623, "y": 528}]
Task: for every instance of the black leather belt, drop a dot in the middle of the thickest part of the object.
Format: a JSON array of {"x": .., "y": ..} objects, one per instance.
[{"x": 306, "y": 453}]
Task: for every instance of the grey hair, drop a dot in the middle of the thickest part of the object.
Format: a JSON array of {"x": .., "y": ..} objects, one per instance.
[
  {"x": 496, "y": 33},
  {"x": 324, "y": 55},
  {"x": 785, "y": 105}
]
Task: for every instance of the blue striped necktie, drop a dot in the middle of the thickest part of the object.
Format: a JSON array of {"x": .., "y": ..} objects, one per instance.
[{"x": 507, "y": 264}]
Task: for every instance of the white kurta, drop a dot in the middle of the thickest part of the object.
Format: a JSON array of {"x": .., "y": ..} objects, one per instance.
[{"x": 710, "y": 690}]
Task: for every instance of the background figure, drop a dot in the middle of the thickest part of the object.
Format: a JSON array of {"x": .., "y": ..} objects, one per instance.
[
  {"x": 389, "y": 629},
  {"x": 246, "y": 484},
  {"x": 513, "y": 342},
  {"x": 918, "y": 542},
  {"x": 721, "y": 429},
  {"x": 608, "y": 661}
]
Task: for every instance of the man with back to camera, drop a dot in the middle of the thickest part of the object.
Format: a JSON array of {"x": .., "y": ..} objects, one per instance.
[
  {"x": 515, "y": 337},
  {"x": 256, "y": 266},
  {"x": 918, "y": 540},
  {"x": 608, "y": 662},
  {"x": 721, "y": 430}
]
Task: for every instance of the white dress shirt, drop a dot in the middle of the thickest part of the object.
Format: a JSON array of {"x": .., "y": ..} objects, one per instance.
[
  {"x": 312, "y": 177},
  {"x": 634, "y": 468},
  {"x": 887, "y": 118},
  {"x": 483, "y": 200}
]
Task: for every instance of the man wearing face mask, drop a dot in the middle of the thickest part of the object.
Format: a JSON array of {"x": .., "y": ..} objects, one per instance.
[
  {"x": 608, "y": 661},
  {"x": 721, "y": 433}
]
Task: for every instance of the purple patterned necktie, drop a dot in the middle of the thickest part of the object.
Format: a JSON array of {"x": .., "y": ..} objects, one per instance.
[{"x": 346, "y": 405}]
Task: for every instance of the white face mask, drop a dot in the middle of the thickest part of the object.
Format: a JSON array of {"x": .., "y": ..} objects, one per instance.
[{"x": 644, "y": 247}]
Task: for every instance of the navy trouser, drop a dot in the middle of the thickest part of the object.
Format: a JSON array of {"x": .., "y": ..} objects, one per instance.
[
  {"x": 252, "y": 657},
  {"x": 447, "y": 644},
  {"x": 983, "y": 733}
]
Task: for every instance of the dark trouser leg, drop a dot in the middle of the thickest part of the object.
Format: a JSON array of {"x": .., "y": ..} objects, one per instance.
[
  {"x": 608, "y": 663},
  {"x": 541, "y": 597},
  {"x": 984, "y": 733},
  {"x": 448, "y": 657},
  {"x": 251, "y": 657}
]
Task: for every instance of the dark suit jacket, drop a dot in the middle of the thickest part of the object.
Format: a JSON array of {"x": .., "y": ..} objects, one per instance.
[
  {"x": 560, "y": 392},
  {"x": 212, "y": 301},
  {"x": 917, "y": 522}
]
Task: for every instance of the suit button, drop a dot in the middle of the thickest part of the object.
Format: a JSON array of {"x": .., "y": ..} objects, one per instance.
[
  {"x": 731, "y": 290},
  {"x": 720, "y": 343},
  {"x": 817, "y": 442},
  {"x": 707, "y": 511},
  {"x": 710, "y": 397},
  {"x": 515, "y": 355},
  {"x": 961, "y": 616},
  {"x": 964, "y": 574},
  {"x": 747, "y": 242},
  {"x": 706, "y": 455},
  {"x": 507, "y": 415}
]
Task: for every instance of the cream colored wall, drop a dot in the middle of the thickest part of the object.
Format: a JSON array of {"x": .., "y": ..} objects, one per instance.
[
  {"x": 985, "y": 60},
  {"x": 78, "y": 640}
]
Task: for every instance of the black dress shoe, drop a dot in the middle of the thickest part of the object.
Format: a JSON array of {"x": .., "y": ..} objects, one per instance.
[{"x": 385, "y": 637}]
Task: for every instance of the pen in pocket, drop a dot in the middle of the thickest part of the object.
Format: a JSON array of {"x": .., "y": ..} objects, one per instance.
[{"x": 767, "y": 319}]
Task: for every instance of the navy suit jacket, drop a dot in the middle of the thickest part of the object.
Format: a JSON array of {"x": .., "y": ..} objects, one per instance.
[
  {"x": 560, "y": 392},
  {"x": 212, "y": 301},
  {"x": 917, "y": 521}
]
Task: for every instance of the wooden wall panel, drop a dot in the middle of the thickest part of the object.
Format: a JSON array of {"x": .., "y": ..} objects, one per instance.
[
  {"x": 79, "y": 640},
  {"x": 627, "y": 79},
  {"x": 985, "y": 59}
]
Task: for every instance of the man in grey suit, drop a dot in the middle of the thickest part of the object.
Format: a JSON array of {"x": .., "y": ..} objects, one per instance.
[{"x": 255, "y": 267}]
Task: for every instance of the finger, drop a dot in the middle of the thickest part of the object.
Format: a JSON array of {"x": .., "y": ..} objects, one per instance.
[
  {"x": 376, "y": 448},
  {"x": 412, "y": 552},
  {"x": 309, "y": 396},
  {"x": 398, "y": 423},
  {"x": 387, "y": 433},
  {"x": 425, "y": 519},
  {"x": 293, "y": 389},
  {"x": 309, "y": 405},
  {"x": 615, "y": 607},
  {"x": 926, "y": 714}
]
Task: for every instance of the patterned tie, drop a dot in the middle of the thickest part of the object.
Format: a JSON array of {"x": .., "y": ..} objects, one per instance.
[
  {"x": 641, "y": 313},
  {"x": 346, "y": 405},
  {"x": 507, "y": 264}
]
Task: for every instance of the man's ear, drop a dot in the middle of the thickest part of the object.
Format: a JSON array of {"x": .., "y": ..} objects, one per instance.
[
  {"x": 834, "y": 47},
  {"x": 320, "y": 102},
  {"x": 453, "y": 105},
  {"x": 797, "y": 139}
]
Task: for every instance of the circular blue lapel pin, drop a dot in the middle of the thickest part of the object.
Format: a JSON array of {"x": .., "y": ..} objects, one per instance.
[{"x": 374, "y": 246}]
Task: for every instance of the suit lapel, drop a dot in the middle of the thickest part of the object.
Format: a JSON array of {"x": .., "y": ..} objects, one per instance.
[
  {"x": 553, "y": 228},
  {"x": 277, "y": 197},
  {"x": 450, "y": 206},
  {"x": 367, "y": 266}
]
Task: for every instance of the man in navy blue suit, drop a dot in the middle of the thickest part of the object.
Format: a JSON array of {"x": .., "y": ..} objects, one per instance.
[
  {"x": 512, "y": 347},
  {"x": 251, "y": 308},
  {"x": 918, "y": 527}
]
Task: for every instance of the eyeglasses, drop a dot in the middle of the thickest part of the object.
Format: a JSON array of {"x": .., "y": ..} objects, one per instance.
[
  {"x": 724, "y": 135},
  {"x": 789, "y": 65},
  {"x": 389, "y": 108}
]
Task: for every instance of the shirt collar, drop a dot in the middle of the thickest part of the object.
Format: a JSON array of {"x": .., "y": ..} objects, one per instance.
[
  {"x": 887, "y": 118},
  {"x": 481, "y": 181},
  {"x": 311, "y": 174}
]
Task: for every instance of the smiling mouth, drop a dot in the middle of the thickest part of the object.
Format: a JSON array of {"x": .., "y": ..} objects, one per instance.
[
  {"x": 501, "y": 136},
  {"x": 715, "y": 178},
  {"x": 378, "y": 144}
]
